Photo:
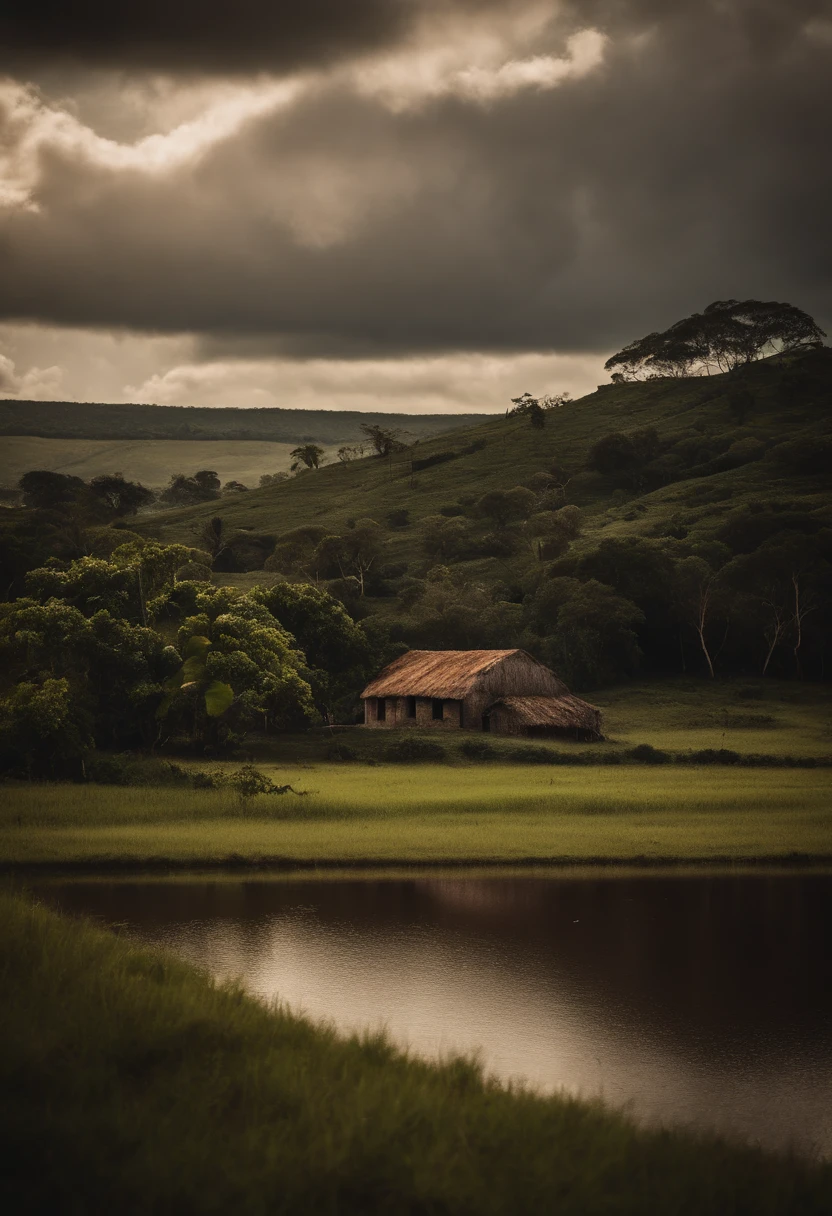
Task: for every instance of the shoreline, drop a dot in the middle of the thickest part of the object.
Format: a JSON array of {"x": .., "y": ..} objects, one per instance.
[{"x": 291, "y": 865}]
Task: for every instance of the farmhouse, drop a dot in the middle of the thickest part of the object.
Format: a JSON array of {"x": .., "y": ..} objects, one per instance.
[{"x": 505, "y": 691}]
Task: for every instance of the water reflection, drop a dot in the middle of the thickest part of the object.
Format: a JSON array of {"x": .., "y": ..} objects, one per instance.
[{"x": 689, "y": 999}]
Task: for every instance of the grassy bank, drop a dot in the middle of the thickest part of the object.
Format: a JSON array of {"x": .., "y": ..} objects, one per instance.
[
  {"x": 132, "y": 1083},
  {"x": 418, "y": 813}
]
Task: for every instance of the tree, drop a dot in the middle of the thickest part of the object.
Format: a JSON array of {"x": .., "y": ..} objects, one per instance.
[
  {"x": 46, "y": 490},
  {"x": 550, "y": 533},
  {"x": 308, "y": 456},
  {"x": 447, "y": 538},
  {"x": 589, "y": 630},
  {"x": 349, "y": 452},
  {"x": 727, "y": 335},
  {"x": 624, "y": 456},
  {"x": 353, "y": 554},
  {"x": 502, "y": 506},
  {"x": 42, "y": 730},
  {"x": 337, "y": 651},
  {"x": 119, "y": 497},
  {"x": 272, "y": 479},
  {"x": 529, "y": 407},
  {"x": 695, "y": 587},
  {"x": 234, "y": 487},
  {"x": 383, "y": 442},
  {"x": 182, "y": 491}
]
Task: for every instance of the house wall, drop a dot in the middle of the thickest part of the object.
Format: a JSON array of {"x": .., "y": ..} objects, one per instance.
[
  {"x": 397, "y": 717},
  {"x": 518, "y": 675}
]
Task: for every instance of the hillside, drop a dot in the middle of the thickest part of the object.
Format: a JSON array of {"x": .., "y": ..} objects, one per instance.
[
  {"x": 712, "y": 464},
  {"x": 705, "y": 491}
]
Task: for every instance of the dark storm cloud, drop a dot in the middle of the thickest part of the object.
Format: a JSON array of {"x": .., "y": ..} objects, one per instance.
[
  {"x": 690, "y": 165},
  {"x": 203, "y": 35}
]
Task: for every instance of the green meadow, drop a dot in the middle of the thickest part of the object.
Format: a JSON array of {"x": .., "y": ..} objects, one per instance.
[
  {"x": 359, "y": 814},
  {"x": 133, "y": 1083}
]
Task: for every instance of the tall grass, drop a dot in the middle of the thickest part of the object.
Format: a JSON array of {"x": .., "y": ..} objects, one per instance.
[{"x": 133, "y": 1084}]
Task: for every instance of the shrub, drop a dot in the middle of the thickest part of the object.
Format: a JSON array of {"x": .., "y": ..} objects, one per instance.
[
  {"x": 645, "y": 753},
  {"x": 410, "y": 751},
  {"x": 713, "y": 755},
  {"x": 478, "y": 749},
  {"x": 102, "y": 768},
  {"x": 341, "y": 751}
]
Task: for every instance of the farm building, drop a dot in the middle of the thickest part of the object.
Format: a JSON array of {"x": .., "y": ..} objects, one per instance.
[{"x": 505, "y": 691}]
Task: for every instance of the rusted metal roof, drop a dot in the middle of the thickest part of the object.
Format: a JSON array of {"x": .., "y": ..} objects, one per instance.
[
  {"x": 567, "y": 712},
  {"x": 435, "y": 673}
]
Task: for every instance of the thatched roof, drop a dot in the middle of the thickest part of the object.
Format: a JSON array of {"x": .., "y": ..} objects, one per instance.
[
  {"x": 435, "y": 673},
  {"x": 566, "y": 712}
]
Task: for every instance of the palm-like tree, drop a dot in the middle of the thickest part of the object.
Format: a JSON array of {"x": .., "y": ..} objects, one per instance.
[{"x": 308, "y": 455}]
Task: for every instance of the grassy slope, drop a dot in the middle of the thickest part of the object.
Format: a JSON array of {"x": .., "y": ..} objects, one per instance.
[
  {"x": 513, "y": 451},
  {"x": 132, "y": 1083},
  {"x": 354, "y": 814}
]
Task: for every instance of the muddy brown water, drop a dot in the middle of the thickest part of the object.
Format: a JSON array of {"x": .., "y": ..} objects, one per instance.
[{"x": 686, "y": 998}]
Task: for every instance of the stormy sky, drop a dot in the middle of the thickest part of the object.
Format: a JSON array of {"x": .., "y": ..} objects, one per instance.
[{"x": 396, "y": 204}]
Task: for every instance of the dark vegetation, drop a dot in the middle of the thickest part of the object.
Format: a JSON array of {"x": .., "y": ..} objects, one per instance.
[{"x": 132, "y": 1083}]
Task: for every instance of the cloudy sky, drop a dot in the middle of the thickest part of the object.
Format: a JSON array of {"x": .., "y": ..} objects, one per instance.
[{"x": 396, "y": 204}]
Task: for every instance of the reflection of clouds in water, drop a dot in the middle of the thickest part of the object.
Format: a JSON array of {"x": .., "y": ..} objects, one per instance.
[{"x": 687, "y": 1000}]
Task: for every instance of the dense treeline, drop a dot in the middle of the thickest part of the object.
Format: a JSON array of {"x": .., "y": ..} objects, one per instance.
[
  {"x": 130, "y": 651},
  {"x": 79, "y": 420}
]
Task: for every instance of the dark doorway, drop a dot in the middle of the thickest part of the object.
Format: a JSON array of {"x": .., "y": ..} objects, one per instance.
[
  {"x": 411, "y": 707},
  {"x": 438, "y": 709},
  {"x": 486, "y": 722},
  {"x": 381, "y": 709}
]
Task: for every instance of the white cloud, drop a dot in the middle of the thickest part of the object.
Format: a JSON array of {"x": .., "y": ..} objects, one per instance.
[
  {"x": 37, "y": 384},
  {"x": 31, "y": 128}
]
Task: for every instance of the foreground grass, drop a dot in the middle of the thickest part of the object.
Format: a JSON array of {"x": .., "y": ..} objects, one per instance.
[
  {"x": 413, "y": 813},
  {"x": 132, "y": 1083}
]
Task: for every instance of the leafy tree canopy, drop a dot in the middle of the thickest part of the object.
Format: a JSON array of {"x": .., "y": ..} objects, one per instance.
[{"x": 728, "y": 334}]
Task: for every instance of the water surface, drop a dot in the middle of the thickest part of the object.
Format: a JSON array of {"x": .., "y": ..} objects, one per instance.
[{"x": 686, "y": 998}]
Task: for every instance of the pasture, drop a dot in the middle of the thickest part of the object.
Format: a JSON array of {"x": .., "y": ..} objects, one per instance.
[{"x": 361, "y": 814}]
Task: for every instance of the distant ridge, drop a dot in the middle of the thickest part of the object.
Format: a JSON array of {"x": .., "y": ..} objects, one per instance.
[{"x": 87, "y": 420}]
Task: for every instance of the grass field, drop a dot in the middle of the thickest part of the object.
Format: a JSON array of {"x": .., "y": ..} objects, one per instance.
[
  {"x": 430, "y": 814},
  {"x": 134, "y": 1084},
  {"x": 150, "y": 461}
]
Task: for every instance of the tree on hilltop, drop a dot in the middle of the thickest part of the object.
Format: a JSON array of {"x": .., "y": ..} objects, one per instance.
[{"x": 727, "y": 335}]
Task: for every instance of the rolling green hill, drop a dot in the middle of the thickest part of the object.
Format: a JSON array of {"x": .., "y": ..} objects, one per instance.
[
  {"x": 684, "y": 497},
  {"x": 717, "y": 455}
]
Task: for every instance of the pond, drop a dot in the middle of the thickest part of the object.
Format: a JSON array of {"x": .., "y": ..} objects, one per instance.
[{"x": 686, "y": 997}]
